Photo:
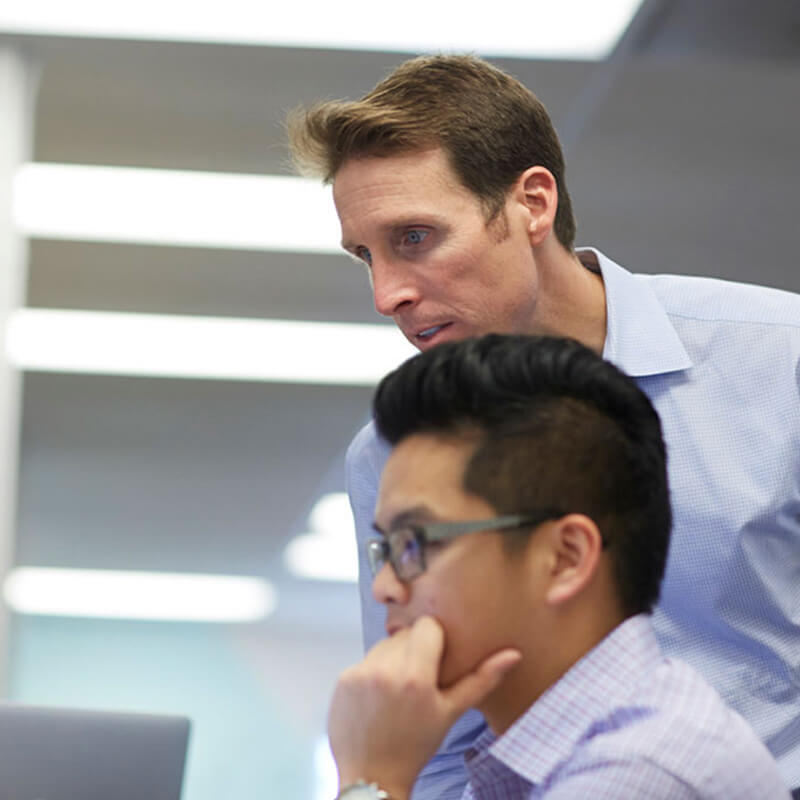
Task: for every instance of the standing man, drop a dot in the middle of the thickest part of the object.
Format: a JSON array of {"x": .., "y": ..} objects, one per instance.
[
  {"x": 449, "y": 183},
  {"x": 522, "y": 528}
]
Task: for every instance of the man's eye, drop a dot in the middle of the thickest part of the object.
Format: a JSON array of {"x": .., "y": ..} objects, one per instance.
[
  {"x": 364, "y": 254},
  {"x": 414, "y": 236},
  {"x": 410, "y": 552},
  {"x": 405, "y": 547}
]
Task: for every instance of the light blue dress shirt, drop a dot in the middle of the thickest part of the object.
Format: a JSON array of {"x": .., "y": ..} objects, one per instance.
[{"x": 721, "y": 363}]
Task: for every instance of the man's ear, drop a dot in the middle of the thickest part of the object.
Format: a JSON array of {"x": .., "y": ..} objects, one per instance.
[
  {"x": 576, "y": 545},
  {"x": 537, "y": 193}
]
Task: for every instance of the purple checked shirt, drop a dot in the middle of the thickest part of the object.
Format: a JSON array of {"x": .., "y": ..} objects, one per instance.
[{"x": 625, "y": 722}]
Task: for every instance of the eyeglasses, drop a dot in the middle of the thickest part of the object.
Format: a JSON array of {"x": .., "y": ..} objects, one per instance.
[{"x": 405, "y": 547}]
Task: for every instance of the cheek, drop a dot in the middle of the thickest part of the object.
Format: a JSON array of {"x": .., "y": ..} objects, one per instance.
[
  {"x": 466, "y": 646},
  {"x": 458, "y": 624},
  {"x": 471, "y": 634},
  {"x": 482, "y": 623},
  {"x": 461, "y": 260},
  {"x": 466, "y": 598}
]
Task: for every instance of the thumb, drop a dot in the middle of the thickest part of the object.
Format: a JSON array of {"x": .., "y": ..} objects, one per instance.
[{"x": 473, "y": 687}]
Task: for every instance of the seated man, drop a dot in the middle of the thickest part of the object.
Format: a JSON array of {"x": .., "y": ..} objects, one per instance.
[{"x": 523, "y": 520}]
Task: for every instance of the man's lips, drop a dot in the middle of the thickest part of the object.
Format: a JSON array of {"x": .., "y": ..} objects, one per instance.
[
  {"x": 427, "y": 334},
  {"x": 393, "y": 628}
]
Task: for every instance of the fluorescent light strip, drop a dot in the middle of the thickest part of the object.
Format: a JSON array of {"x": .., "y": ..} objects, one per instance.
[
  {"x": 99, "y": 342},
  {"x": 138, "y": 595},
  {"x": 575, "y": 29},
  {"x": 171, "y": 207}
]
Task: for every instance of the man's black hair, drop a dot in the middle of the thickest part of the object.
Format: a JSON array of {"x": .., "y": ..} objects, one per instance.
[{"x": 557, "y": 427}]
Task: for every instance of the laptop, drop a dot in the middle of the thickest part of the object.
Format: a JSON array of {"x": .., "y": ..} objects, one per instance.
[{"x": 66, "y": 754}]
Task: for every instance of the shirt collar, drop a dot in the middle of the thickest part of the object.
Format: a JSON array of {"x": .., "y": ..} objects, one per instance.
[
  {"x": 640, "y": 338},
  {"x": 545, "y": 735}
]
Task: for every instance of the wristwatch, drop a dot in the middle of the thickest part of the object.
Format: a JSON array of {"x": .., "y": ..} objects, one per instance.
[{"x": 361, "y": 790}]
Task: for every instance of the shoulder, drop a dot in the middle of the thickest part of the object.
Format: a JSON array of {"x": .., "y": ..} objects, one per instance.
[
  {"x": 713, "y": 300},
  {"x": 364, "y": 463},
  {"x": 739, "y": 331},
  {"x": 676, "y": 730},
  {"x": 619, "y": 777},
  {"x": 367, "y": 451},
  {"x": 363, "y": 442}
]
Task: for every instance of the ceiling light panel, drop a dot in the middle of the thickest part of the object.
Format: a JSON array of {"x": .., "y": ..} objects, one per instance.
[
  {"x": 154, "y": 345},
  {"x": 173, "y": 207},
  {"x": 118, "y": 594},
  {"x": 570, "y": 29}
]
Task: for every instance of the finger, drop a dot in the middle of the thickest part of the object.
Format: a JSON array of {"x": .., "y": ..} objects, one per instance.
[
  {"x": 473, "y": 687},
  {"x": 426, "y": 644}
]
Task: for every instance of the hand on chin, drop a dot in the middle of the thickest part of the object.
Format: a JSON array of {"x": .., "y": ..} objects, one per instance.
[{"x": 390, "y": 712}]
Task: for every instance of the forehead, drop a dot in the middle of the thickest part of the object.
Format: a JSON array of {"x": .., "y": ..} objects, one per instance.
[
  {"x": 426, "y": 471},
  {"x": 398, "y": 169},
  {"x": 383, "y": 189}
]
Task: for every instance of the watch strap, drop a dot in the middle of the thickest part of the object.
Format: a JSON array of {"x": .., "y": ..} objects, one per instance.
[{"x": 361, "y": 790}]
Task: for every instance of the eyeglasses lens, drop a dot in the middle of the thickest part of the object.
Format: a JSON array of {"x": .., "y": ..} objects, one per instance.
[
  {"x": 377, "y": 552},
  {"x": 405, "y": 553}
]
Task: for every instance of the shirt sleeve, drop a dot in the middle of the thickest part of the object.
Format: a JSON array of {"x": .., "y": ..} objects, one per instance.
[{"x": 445, "y": 775}]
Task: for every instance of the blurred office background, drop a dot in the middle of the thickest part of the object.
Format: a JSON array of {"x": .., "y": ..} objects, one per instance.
[{"x": 681, "y": 124}]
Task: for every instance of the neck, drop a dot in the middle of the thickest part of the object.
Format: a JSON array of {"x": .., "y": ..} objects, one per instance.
[{"x": 572, "y": 299}]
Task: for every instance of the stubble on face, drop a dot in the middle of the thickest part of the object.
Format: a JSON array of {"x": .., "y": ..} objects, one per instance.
[{"x": 497, "y": 226}]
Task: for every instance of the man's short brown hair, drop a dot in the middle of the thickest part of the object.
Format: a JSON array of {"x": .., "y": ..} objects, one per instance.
[{"x": 491, "y": 127}]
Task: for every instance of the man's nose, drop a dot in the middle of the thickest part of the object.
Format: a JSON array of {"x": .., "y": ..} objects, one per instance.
[
  {"x": 393, "y": 288},
  {"x": 387, "y": 588}
]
